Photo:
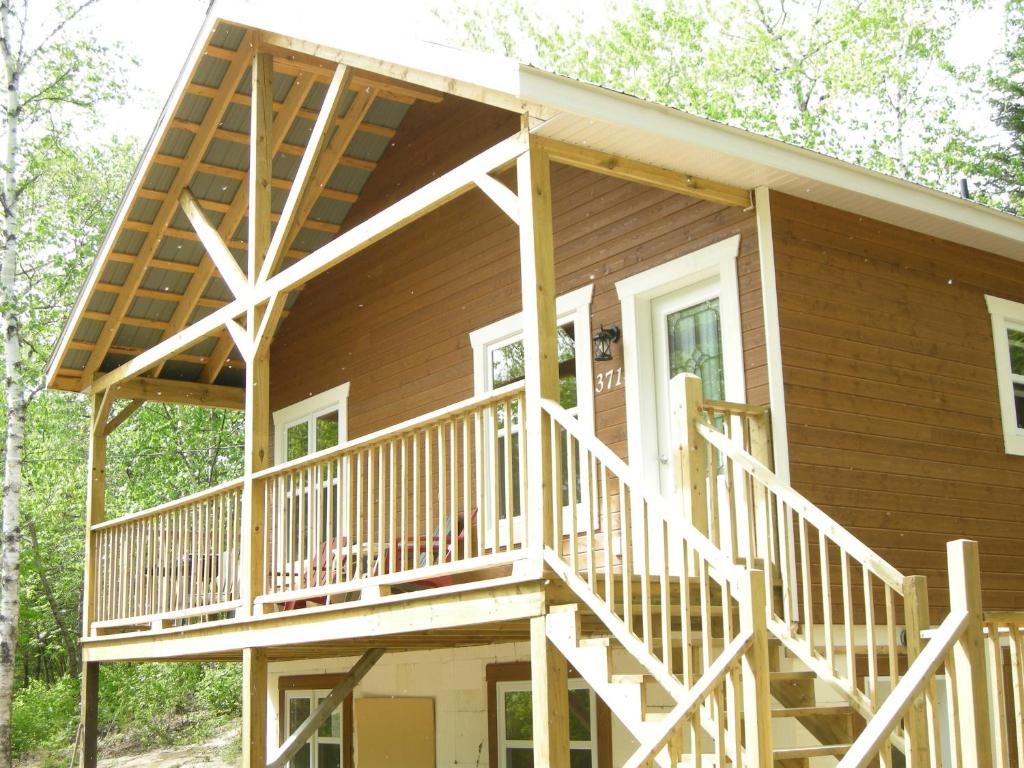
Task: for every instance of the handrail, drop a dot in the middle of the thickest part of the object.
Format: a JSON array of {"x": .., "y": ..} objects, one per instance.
[
  {"x": 796, "y": 501},
  {"x": 639, "y": 485},
  {"x": 695, "y": 696},
  {"x": 184, "y": 501},
  {"x": 325, "y": 454},
  {"x": 921, "y": 673},
  {"x": 736, "y": 409},
  {"x": 1005, "y": 627}
]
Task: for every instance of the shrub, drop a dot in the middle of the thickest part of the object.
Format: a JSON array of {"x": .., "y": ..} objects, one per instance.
[{"x": 45, "y": 716}]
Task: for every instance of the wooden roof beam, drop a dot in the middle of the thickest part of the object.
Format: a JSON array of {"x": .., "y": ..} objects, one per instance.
[
  {"x": 410, "y": 208},
  {"x": 644, "y": 173},
  {"x": 180, "y": 393},
  {"x": 216, "y": 249},
  {"x": 301, "y": 190}
]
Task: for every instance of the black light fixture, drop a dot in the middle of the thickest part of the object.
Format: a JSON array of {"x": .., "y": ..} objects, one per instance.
[{"x": 603, "y": 341}]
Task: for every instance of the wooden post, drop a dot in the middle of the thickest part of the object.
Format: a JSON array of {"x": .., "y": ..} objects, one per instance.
[
  {"x": 540, "y": 349},
  {"x": 95, "y": 500},
  {"x": 254, "y": 708},
  {"x": 916, "y": 619},
  {"x": 761, "y": 449},
  {"x": 90, "y": 708},
  {"x": 95, "y": 513},
  {"x": 690, "y": 458},
  {"x": 969, "y": 654},
  {"x": 549, "y": 686},
  {"x": 757, "y": 697},
  {"x": 257, "y": 369}
]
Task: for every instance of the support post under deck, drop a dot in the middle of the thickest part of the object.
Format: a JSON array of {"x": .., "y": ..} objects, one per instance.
[
  {"x": 549, "y": 687},
  {"x": 254, "y": 708}
]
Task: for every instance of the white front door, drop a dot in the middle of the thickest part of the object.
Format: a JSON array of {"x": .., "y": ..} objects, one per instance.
[{"x": 687, "y": 335}]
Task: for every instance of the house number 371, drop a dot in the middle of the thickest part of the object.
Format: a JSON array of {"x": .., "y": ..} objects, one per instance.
[{"x": 608, "y": 380}]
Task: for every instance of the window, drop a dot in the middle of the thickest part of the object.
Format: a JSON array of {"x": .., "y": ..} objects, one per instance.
[
  {"x": 331, "y": 744},
  {"x": 498, "y": 362},
  {"x": 311, "y": 425},
  {"x": 1008, "y": 337},
  {"x": 510, "y": 720}
]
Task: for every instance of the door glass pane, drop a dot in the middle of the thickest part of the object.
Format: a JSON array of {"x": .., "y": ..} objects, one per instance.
[
  {"x": 695, "y": 346},
  {"x": 519, "y": 758},
  {"x": 1016, "y": 339},
  {"x": 567, "y": 366},
  {"x": 579, "y": 714},
  {"x": 329, "y": 756},
  {"x": 298, "y": 440},
  {"x": 1018, "y": 401},
  {"x": 581, "y": 758},
  {"x": 326, "y": 430},
  {"x": 518, "y": 716},
  {"x": 507, "y": 365}
]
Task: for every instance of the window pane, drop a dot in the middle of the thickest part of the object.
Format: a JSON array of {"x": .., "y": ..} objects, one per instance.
[
  {"x": 327, "y": 430},
  {"x": 518, "y": 715},
  {"x": 298, "y": 441},
  {"x": 298, "y": 711},
  {"x": 332, "y": 726},
  {"x": 1016, "y": 339},
  {"x": 518, "y": 758},
  {"x": 507, "y": 364},
  {"x": 579, "y": 714},
  {"x": 329, "y": 756},
  {"x": 695, "y": 346},
  {"x": 580, "y": 758},
  {"x": 1018, "y": 402}
]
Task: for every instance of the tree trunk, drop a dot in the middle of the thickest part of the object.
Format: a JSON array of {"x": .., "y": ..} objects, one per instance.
[{"x": 10, "y": 556}]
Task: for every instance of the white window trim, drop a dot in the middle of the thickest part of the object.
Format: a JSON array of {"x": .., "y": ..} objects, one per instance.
[
  {"x": 573, "y": 306},
  {"x": 501, "y": 688},
  {"x": 1006, "y": 315},
  {"x": 330, "y": 400},
  {"x": 714, "y": 264}
]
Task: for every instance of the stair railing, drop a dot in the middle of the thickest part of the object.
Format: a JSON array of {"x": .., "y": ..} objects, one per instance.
[
  {"x": 837, "y": 599},
  {"x": 958, "y": 732},
  {"x": 668, "y": 595},
  {"x": 1004, "y": 646}
]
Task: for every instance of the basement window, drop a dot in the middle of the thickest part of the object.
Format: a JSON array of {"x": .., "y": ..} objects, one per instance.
[{"x": 1008, "y": 337}]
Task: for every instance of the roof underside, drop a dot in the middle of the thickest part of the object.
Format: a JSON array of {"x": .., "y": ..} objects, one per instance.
[{"x": 154, "y": 277}]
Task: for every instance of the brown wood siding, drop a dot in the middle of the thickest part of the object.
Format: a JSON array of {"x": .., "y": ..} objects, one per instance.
[
  {"x": 395, "y": 320},
  {"x": 891, "y": 394}
]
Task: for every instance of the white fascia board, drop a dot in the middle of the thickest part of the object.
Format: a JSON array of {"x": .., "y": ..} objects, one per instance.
[
  {"x": 405, "y": 58},
  {"x": 602, "y": 104}
]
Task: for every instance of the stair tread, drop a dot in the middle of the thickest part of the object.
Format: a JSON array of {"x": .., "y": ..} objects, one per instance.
[
  {"x": 796, "y": 674},
  {"x": 813, "y": 709},
  {"x": 820, "y": 750}
]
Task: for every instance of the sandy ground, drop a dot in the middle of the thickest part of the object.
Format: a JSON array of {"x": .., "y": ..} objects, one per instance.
[{"x": 210, "y": 754}]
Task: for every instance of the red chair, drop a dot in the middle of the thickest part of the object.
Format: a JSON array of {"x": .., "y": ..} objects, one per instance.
[{"x": 411, "y": 548}]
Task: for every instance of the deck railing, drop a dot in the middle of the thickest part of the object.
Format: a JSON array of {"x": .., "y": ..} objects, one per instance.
[
  {"x": 416, "y": 503},
  {"x": 176, "y": 561}
]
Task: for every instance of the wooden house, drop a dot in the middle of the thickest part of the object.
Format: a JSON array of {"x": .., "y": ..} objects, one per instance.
[{"x": 579, "y": 431}]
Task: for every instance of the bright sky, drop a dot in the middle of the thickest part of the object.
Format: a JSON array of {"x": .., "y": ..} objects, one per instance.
[{"x": 159, "y": 33}]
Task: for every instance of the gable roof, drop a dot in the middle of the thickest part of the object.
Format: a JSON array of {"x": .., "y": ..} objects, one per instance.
[{"x": 152, "y": 276}]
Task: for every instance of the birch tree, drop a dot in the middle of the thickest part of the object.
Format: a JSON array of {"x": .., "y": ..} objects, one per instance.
[{"x": 55, "y": 78}]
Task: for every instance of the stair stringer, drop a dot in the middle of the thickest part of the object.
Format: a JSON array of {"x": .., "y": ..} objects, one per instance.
[
  {"x": 593, "y": 663},
  {"x": 640, "y": 728}
]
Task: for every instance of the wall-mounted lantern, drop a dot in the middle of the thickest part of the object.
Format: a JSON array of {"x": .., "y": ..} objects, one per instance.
[{"x": 603, "y": 341}]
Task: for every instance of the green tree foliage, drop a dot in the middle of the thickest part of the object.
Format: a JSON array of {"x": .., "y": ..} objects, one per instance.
[
  {"x": 867, "y": 81},
  {"x": 1000, "y": 165}
]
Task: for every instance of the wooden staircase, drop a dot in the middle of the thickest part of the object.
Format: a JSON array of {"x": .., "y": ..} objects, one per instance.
[{"x": 641, "y": 703}]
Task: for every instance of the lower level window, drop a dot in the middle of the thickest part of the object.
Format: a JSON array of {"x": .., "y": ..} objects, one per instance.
[
  {"x": 515, "y": 725},
  {"x": 326, "y": 747}
]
